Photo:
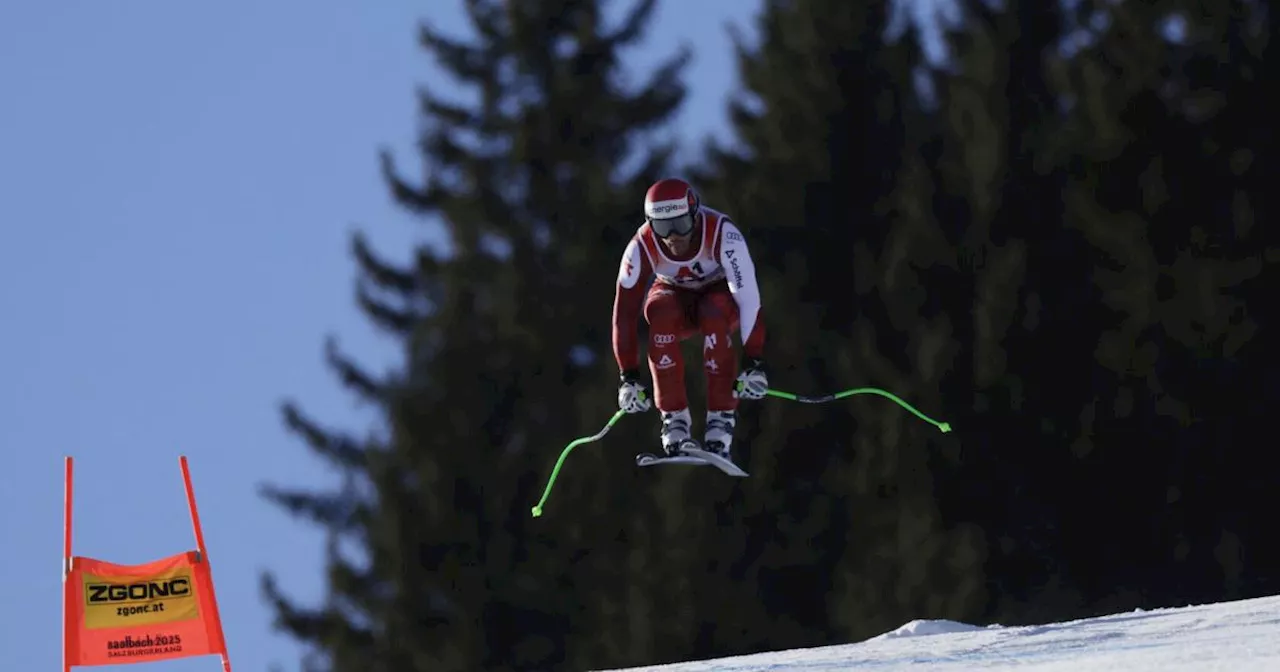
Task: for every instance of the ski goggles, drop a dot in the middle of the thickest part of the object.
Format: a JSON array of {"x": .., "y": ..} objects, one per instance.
[{"x": 674, "y": 226}]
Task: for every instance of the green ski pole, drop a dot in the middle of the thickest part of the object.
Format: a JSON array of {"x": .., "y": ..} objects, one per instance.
[
  {"x": 822, "y": 399},
  {"x": 942, "y": 426},
  {"x": 537, "y": 510}
]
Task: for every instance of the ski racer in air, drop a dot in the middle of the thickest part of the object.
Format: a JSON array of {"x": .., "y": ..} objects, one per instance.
[{"x": 703, "y": 284}]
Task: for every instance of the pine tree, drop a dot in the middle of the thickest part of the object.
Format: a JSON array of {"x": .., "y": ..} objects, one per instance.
[
  {"x": 1112, "y": 173},
  {"x": 1175, "y": 137},
  {"x": 505, "y": 339},
  {"x": 845, "y": 540},
  {"x": 1009, "y": 291}
]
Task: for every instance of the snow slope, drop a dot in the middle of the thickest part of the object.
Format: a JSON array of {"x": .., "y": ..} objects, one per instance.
[{"x": 1238, "y": 636}]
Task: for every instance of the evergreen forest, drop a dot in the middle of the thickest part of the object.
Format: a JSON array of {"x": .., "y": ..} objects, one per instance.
[{"x": 1054, "y": 239}]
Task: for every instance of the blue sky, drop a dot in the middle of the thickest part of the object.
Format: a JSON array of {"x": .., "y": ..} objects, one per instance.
[{"x": 177, "y": 186}]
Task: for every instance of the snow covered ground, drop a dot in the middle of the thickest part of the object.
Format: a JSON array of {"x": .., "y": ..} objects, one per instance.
[{"x": 1237, "y": 636}]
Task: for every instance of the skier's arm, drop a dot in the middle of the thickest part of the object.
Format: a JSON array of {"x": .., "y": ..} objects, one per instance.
[
  {"x": 741, "y": 273},
  {"x": 628, "y": 300}
]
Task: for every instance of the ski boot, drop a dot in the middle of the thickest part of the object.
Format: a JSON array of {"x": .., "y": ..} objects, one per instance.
[
  {"x": 719, "y": 436},
  {"x": 675, "y": 432}
]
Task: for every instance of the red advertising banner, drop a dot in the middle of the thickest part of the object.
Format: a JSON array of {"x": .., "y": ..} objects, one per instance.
[{"x": 119, "y": 614}]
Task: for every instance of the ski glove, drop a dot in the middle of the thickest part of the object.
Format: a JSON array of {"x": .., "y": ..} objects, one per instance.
[
  {"x": 632, "y": 396},
  {"x": 753, "y": 382}
]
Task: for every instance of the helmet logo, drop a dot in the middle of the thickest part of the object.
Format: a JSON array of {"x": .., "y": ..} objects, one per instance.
[{"x": 668, "y": 209}]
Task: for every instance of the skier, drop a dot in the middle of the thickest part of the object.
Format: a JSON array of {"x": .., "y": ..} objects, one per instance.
[{"x": 704, "y": 284}]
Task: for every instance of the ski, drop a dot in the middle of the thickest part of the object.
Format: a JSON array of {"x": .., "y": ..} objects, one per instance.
[
  {"x": 721, "y": 463},
  {"x": 693, "y": 457},
  {"x": 649, "y": 459}
]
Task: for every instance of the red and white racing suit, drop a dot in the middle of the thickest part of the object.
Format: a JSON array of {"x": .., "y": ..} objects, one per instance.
[{"x": 710, "y": 292}]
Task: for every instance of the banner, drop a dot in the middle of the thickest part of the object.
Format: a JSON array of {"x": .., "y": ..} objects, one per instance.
[{"x": 120, "y": 614}]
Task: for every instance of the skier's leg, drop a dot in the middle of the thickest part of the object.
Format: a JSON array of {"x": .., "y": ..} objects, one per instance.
[
  {"x": 666, "y": 311},
  {"x": 717, "y": 315}
]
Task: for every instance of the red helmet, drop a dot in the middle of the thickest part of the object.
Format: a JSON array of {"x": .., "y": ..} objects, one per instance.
[{"x": 671, "y": 207}]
